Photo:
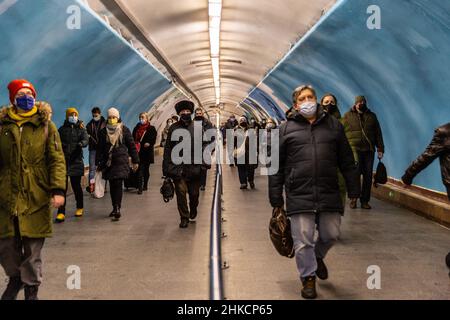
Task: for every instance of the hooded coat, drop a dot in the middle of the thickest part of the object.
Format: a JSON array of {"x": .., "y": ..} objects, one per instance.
[{"x": 32, "y": 170}]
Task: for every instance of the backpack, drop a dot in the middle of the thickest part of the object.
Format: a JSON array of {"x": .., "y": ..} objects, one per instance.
[
  {"x": 280, "y": 233},
  {"x": 380, "y": 175}
]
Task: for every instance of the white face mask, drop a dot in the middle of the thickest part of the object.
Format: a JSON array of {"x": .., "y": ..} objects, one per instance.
[
  {"x": 308, "y": 109},
  {"x": 97, "y": 118}
]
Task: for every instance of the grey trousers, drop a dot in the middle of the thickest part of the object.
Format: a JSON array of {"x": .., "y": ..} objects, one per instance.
[
  {"x": 307, "y": 244},
  {"x": 24, "y": 262}
]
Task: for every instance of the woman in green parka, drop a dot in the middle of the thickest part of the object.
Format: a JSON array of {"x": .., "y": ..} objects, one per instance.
[
  {"x": 32, "y": 180},
  {"x": 329, "y": 104}
]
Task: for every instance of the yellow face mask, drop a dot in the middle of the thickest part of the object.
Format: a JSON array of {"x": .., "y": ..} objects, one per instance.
[{"x": 113, "y": 121}]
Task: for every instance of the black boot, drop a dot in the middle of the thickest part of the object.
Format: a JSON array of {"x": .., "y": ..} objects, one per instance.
[
  {"x": 12, "y": 290},
  {"x": 309, "y": 288},
  {"x": 193, "y": 214},
  {"x": 113, "y": 213},
  {"x": 184, "y": 223},
  {"x": 31, "y": 292},
  {"x": 322, "y": 271},
  {"x": 252, "y": 185},
  {"x": 117, "y": 215}
]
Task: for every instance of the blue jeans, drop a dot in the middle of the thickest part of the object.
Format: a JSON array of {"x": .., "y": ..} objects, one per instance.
[{"x": 307, "y": 246}]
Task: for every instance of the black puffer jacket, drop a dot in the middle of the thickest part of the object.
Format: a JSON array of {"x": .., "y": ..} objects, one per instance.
[
  {"x": 120, "y": 166},
  {"x": 439, "y": 147},
  {"x": 74, "y": 138},
  {"x": 310, "y": 156},
  {"x": 187, "y": 171}
]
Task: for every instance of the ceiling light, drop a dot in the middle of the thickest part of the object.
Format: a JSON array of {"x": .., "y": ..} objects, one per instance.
[{"x": 215, "y": 17}]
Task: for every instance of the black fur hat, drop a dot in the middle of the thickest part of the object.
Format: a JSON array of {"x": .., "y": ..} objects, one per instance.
[{"x": 183, "y": 105}]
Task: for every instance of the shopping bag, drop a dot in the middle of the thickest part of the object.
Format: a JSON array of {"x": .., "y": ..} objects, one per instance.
[{"x": 100, "y": 184}]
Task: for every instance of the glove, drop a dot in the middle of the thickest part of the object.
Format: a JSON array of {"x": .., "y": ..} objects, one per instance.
[
  {"x": 407, "y": 179},
  {"x": 135, "y": 167}
]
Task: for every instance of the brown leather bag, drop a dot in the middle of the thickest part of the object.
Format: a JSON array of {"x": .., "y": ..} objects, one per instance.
[{"x": 280, "y": 233}]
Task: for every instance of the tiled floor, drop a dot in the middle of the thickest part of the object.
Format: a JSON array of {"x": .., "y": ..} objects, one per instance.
[
  {"x": 146, "y": 255},
  {"x": 409, "y": 250}
]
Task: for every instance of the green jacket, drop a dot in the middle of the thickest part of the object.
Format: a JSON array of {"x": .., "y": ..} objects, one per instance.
[
  {"x": 32, "y": 169},
  {"x": 363, "y": 131}
]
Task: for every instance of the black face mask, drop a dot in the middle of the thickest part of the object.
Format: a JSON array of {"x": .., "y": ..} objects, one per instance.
[
  {"x": 329, "y": 107},
  {"x": 198, "y": 118},
  {"x": 362, "y": 107},
  {"x": 244, "y": 124},
  {"x": 186, "y": 118}
]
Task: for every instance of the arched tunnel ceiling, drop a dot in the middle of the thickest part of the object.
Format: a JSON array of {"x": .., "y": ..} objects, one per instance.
[{"x": 255, "y": 35}]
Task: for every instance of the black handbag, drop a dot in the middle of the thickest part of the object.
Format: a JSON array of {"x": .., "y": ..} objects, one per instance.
[
  {"x": 280, "y": 233},
  {"x": 381, "y": 176},
  {"x": 167, "y": 190}
]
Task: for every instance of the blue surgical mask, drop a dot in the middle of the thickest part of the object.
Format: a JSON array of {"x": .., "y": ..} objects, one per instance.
[
  {"x": 25, "y": 102},
  {"x": 308, "y": 109},
  {"x": 73, "y": 119}
]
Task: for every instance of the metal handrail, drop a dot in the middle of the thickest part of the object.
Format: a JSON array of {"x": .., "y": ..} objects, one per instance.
[{"x": 215, "y": 256}]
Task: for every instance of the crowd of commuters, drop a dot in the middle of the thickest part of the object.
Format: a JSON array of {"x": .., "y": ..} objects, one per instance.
[{"x": 322, "y": 157}]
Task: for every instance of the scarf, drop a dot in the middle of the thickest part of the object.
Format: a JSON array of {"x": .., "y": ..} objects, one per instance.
[
  {"x": 140, "y": 132},
  {"x": 114, "y": 134},
  {"x": 21, "y": 118}
]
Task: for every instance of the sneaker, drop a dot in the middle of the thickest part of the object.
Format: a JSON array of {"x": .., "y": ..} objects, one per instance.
[
  {"x": 60, "y": 217},
  {"x": 79, "y": 213},
  {"x": 365, "y": 205},
  {"x": 322, "y": 271},
  {"x": 243, "y": 186},
  {"x": 353, "y": 204},
  {"x": 309, "y": 288},
  {"x": 15, "y": 284}
]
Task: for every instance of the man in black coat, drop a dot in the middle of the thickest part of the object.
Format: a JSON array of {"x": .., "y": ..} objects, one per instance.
[
  {"x": 186, "y": 173},
  {"x": 206, "y": 125},
  {"x": 73, "y": 139},
  {"x": 313, "y": 146},
  {"x": 93, "y": 128},
  {"x": 439, "y": 147},
  {"x": 144, "y": 135}
]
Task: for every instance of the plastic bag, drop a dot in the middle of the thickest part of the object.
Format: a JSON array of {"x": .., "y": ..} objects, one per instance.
[{"x": 100, "y": 184}]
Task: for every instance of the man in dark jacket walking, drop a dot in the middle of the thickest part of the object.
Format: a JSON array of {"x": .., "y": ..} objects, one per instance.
[
  {"x": 185, "y": 173},
  {"x": 206, "y": 125},
  {"x": 438, "y": 148},
  {"x": 74, "y": 138},
  {"x": 313, "y": 146},
  {"x": 364, "y": 135},
  {"x": 93, "y": 128}
]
